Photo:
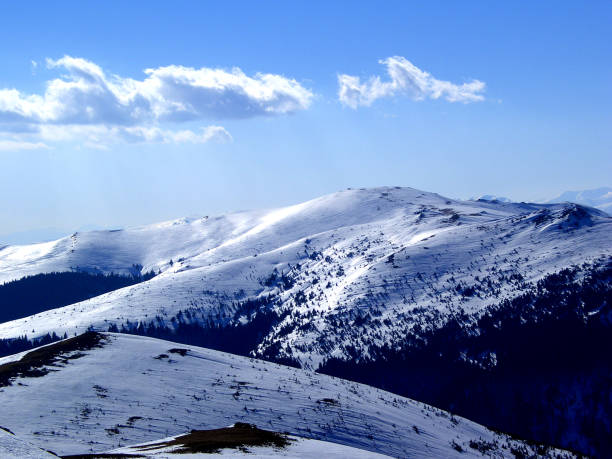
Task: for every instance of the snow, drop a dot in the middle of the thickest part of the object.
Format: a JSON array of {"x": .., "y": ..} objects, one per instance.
[
  {"x": 336, "y": 248},
  {"x": 13, "y": 447},
  {"x": 136, "y": 390},
  {"x": 230, "y": 235}
]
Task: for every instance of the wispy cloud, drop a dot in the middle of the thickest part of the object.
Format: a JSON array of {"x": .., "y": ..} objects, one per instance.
[
  {"x": 103, "y": 134},
  {"x": 405, "y": 79},
  {"x": 90, "y": 104},
  {"x": 16, "y": 145}
]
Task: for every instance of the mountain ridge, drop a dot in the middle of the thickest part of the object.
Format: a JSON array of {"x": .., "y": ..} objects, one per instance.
[{"x": 397, "y": 253}]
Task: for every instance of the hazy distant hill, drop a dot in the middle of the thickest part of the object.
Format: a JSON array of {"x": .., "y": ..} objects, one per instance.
[{"x": 598, "y": 197}]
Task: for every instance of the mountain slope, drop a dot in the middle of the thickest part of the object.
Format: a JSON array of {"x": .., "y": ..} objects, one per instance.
[
  {"x": 538, "y": 364},
  {"x": 97, "y": 392}
]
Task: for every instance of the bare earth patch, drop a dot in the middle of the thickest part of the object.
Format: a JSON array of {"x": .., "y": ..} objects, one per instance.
[{"x": 240, "y": 435}]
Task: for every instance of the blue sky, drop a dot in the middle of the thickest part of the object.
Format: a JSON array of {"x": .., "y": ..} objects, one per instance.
[{"x": 498, "y": 98}]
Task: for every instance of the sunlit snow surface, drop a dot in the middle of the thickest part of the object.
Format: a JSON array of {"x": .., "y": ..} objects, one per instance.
[
  {"x": 337, "y": 249},
  {"x": 14, "y": 447},
  {"x": 135, "y": 390}
]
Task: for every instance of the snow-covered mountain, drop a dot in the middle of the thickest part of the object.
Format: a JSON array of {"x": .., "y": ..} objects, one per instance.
[
  {"x": 600, "y": 198},
  {"x": 358, "y": 284},
  {"x": 98, "y": 392},
  {"x": 332, "y": 276}
]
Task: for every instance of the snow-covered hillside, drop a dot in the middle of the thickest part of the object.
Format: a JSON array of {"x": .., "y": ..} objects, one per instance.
[
  {"x": 98, "y": 392},
  {"x": 340, "y": 273},
  {"x": 14, "y": 447}
]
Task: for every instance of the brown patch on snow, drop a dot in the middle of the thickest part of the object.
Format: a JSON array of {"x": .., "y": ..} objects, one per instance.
[{"x": 239, "y": 436}]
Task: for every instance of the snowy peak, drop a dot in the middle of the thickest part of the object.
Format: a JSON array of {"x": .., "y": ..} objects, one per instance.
[{"x": 160, "y": 246}]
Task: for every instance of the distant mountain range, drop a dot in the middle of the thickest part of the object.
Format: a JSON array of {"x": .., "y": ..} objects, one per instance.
[{"x": 600, "y": 198}]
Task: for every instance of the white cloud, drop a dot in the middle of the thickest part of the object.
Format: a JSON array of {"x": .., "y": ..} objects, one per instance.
[
  {"x": 15, "y": 145},
  {"x": 208, "y": 133},
  {"x": 87, "y": 95},
  {"x": 406, "y": 79},
  {"x": 185, "y": 93},
  {"x": 99, "y": 135},
  {"x": 88, "y": 103}
]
